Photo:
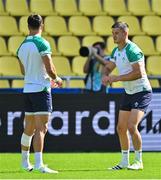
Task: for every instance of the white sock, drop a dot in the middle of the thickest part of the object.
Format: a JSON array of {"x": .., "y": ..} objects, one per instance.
[
  {"x": 125, "y": 157},
  {"x": 38, "y": 159},
  {"x": 138, "y": 155},
  {"x": 25, "y": 158}
]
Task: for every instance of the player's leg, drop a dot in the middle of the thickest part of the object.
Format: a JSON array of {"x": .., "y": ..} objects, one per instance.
[
  {"x": 139, "y": 104},
  {"x": 38, "y": 140},
  {"x": 134, "y": 120},
  {"x": 42, "y": 109},
  {"x": 124, "y": 139},
  {"x": 26, "y": 141}
]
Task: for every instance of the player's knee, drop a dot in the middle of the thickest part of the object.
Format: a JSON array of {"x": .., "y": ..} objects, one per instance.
[
  {"x": 132, "y": 129},
  {"x": 120, "y": 129},
  {"x": 26, "y": 140},
  {"x": 42, "y": 128}
]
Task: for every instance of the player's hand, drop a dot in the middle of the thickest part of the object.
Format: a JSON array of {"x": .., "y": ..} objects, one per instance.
[
  {"x": 105, "y": 80},
  {"x": 56, "y": 83}
]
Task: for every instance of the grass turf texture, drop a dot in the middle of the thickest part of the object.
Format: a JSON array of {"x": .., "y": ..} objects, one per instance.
[{"x": 80, "y": 166}]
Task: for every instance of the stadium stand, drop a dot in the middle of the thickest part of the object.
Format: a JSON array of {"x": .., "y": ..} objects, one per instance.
[
  {"x": 42, "y": 7},
  {"x": 68, "y": 45},
  {"x": 151, "y": 25},
  {"x": 78, "y": 64},
  {"x": 14, "y": 42},
  {"x": 17, "y": 84},
  {"x": 66, "y": 7},
  {"x": 17, "y": 7},
  {"x": 8, "y": 26},
  {"x": 115, "y": 7},
  {"x": 154, "y": 83},
  {"x": 55, "y": 26},
  {"x": 70, "y": 24},
  {"x": 153, "y": 65},
  {"x": 3, "y": 47},
  {"x": 110, "y": 44},
  {"x": 139, "y": 7},
  {"x": 156, "y": 6},
  {"x": 134, "y": 24},
  {"x": 146, "y": 44},
  {"x": 76, "y": 83},
  {"x": 89, "y": 40},
  {"x": 102, "y": 25},
  {"x": 91, "y": 7},
  {"x": 80, "y": 26},
  {"x": 9, "y": 66},
  {"x": 2, "y": 10},
  {"x": 4, "y": 84},
  {"x": 62, "y": 65},
  {"x": 158, "y": 44}
]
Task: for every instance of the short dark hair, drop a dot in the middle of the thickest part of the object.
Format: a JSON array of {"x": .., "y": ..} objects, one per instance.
[
  {"x": 34, "y": 21},
  {"x": 100, "y": 43},
  {"x": 122, "y": 25}
]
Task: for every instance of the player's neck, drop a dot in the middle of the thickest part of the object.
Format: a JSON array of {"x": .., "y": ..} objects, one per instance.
[
  {"x": 35, "y": 32},
  {"x": 122, "y": 44}
]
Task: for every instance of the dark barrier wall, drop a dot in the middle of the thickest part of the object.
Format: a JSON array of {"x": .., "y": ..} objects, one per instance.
[{"x": 79, "y": 122}]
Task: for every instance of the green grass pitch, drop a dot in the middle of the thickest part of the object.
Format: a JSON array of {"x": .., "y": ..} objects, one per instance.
[{"x": 80, "y": 166}]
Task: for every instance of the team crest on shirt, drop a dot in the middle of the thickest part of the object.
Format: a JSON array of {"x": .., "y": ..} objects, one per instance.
[{"x": 136, "y": 104}]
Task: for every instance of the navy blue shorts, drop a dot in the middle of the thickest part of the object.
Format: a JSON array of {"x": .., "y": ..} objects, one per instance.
[
  {"x": 140, "y": 101},
  {"x": 38, "y": 103}
]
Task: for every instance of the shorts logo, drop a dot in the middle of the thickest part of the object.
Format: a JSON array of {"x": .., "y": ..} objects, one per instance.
[{"x": 136, "y": 104}]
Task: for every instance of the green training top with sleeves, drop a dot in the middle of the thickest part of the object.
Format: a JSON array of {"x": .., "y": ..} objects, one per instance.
[
  {"x": 124, "y": 59},
  {"x": 30, "y": 54}
]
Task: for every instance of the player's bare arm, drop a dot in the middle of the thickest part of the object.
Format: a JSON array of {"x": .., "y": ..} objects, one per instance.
[
  {"x": 51, "y": 70},
  {"x": 108, "y": 68},
  {"x": 136, "y": 73},
  {"x": 21, "y": 67}
]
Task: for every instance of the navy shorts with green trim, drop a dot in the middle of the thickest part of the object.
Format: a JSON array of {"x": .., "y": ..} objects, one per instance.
[
  {"x": 140, "y": 101},
  {"x": 38, "y": 102}
]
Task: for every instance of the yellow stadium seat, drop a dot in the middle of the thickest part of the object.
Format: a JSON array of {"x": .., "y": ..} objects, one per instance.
[
  {"x": 3, "y": 47},
  {"x": 17, "y": 7},
  {"x": 90, "y": 40},
  {"x": 8, "y": 26},
  {"x": 151, "y": 25},
  {"x": 9, "y": 66},
  {"x": 62, "y": 65},
  {"x": 76, "y": 83},
  {"x": 4, "y": 84},
  {"x": 146, "y": 44},
  {"x": 66, "y": 7},
  {"x": 115, "y": 7},
  {"x": 110, "y": 45},
  {"x": 139, "y": 7},
  {"x": 80, "y": 26},
  {"x": 158, "y": 44},
  {"x": 23, "y": 26},
  {"x": 2, "y": 10},
  {"x": 134, "y": 25},
  {"x": 42, "y": 7},
  {"x": 153, "y": 65},
  {"x": 53, "y": 45},
  {"x": 154, "y": 83},
  {"x": 78, "y": 64},
  {"x": 17, "y": 83},
  {"x": 156, "y": 6},
  {"x": 91, "y": 7},
  {"x": 14, "y": 42},
  {"x": 102, "y": 25},
  {"x": 69, "y": 45},
  {"x": 118, "y": 84},
  {"x": 55, "y": 26}
]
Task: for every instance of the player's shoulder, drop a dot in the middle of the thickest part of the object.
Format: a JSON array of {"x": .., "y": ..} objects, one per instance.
[
  {"x": 40, "y": 40},
  {"x": 132, "y": 47}
]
